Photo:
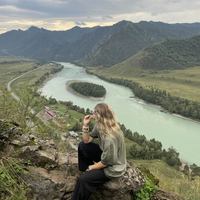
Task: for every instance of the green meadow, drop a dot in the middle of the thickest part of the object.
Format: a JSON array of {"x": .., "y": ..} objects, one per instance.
[
  {"x": 13, "y": 67},
  {"x": 31, "y": 78},
  {"x": 182, "y": 83}
]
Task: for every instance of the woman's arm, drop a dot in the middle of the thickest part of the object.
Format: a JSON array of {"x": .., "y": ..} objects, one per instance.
[
  {"x": 98, "y": 165},
  {"x": 86, "y": 137}
]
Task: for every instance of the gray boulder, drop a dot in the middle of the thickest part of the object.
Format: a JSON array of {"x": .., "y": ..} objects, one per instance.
[{"x": 48, "y": 185}]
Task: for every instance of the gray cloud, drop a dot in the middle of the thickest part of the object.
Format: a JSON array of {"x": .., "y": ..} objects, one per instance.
[
  {"x": 80, "y": 23},
  {"x": 105, "y": 17},
  {"x": 52, "y": 12}
]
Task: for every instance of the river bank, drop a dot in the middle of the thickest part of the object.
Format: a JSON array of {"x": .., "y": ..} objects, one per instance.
[
  {"x": 142, "y": 102},
  {"x": 70, "y": 90},
  {"x": 47, "y": 79}
]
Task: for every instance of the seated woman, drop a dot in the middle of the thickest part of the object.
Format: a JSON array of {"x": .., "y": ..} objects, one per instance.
[{"x": 103, "y": 162}]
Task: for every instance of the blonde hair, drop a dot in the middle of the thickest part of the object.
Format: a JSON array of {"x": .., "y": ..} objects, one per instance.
[{"x": 106, "y": 121}]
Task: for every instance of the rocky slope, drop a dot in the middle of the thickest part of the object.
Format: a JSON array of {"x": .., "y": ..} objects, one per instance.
[{"x": 53, "y": 175}]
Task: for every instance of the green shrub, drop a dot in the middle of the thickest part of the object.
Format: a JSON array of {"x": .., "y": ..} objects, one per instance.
[{"x": 147, "y": 191}]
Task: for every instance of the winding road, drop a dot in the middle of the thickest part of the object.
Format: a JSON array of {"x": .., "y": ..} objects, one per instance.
[
  {"x": 32, "y": 111},
  {"x": 9, "y": 84}
]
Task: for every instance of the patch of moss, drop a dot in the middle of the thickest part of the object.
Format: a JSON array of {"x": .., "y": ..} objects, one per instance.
[
  {"x": 17, "y": 148},
  {"x": 32, "y": 143},
  {"x": 12, "y": 138},
  {"x": 11, "y": 125},
  {"x": 146, "y": 172}
]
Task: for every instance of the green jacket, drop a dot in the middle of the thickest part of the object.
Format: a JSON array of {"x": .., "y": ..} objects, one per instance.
[{"x": 113, "y": 154}]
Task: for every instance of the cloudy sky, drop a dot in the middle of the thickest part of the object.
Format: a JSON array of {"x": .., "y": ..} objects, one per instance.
[{"x": 65, "y": 14}]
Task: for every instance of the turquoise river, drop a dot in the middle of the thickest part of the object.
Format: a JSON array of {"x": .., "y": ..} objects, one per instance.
[{"x": 182, "y": 134}]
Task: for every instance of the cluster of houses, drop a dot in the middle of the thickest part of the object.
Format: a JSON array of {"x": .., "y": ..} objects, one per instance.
[{"x": 53, "y": 116}]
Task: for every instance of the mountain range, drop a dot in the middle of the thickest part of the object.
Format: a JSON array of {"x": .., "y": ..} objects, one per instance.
[
  {"x": 169, "y": 54},
  {"x": 109, "y": 45}
]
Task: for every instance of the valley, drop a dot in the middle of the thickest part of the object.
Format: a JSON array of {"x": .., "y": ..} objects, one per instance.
[
  {"x": 154, "y": 61},
  {"x": 180, "y": 83}
]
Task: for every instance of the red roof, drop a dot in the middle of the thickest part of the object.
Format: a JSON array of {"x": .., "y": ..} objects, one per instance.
[
  {"x": 57, "y": 123},
  {"x": 51, "y": 113}
]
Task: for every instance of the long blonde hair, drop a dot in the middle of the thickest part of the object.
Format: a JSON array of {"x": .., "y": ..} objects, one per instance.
[{"x": 106, "y": 121}]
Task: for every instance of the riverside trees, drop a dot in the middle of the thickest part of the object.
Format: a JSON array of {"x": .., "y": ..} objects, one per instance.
[
  {"x": 150, "y": 149},
  {"x": 88, "y": 89},
  {"x": 173, "y": 104}
]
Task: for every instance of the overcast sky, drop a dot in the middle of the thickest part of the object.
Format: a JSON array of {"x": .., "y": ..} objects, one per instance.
[{"x": 65, "y": 14}]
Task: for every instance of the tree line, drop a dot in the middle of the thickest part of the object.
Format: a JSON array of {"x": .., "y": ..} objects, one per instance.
[
  {"x": 150, "y": 149},
  {"x": 172, "y": 104},
  {"x": 42, "y": 78},
  {"x": 88, "y": 89}
]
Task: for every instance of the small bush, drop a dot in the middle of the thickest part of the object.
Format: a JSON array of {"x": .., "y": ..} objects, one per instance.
[{"x": 12, "y": 186}]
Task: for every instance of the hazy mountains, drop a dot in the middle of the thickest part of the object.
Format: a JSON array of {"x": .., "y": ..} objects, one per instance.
[
  {"x": 98, "y": 46},
  {"x": 27, "y": 43}
]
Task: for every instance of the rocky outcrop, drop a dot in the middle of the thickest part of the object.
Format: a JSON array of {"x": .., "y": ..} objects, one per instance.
[
  {"x": 49, "y": 184},
  {"x": 53, "y": 175},
  {"x": 122, "y": 188}
]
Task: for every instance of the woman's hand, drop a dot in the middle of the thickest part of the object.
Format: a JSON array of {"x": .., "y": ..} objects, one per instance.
[
  {"x": 98, "y": 165},
  {"x": 86, "y": 120}
]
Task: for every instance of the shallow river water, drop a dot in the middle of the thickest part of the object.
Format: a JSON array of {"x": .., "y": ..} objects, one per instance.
[{"x": 170, "y": 130}]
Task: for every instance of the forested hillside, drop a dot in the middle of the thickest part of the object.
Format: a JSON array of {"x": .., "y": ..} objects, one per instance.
[
  {"x": 129, "y": 40},
  {"x": 167, "y": 55}
]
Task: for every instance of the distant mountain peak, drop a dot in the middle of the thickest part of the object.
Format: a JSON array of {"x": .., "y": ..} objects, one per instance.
[{"x": 33, "y": 28}]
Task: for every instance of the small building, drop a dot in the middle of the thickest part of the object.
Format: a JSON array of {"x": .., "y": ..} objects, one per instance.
[
  {"x": 51, "y": 113},
  {"x": 63, "y": 121},
  {"x": 57, "y": 117},
  {"x": 46, "y": 108},
  {"x": 67, "y": 124},
  {"x": 73, "y": 134}
]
